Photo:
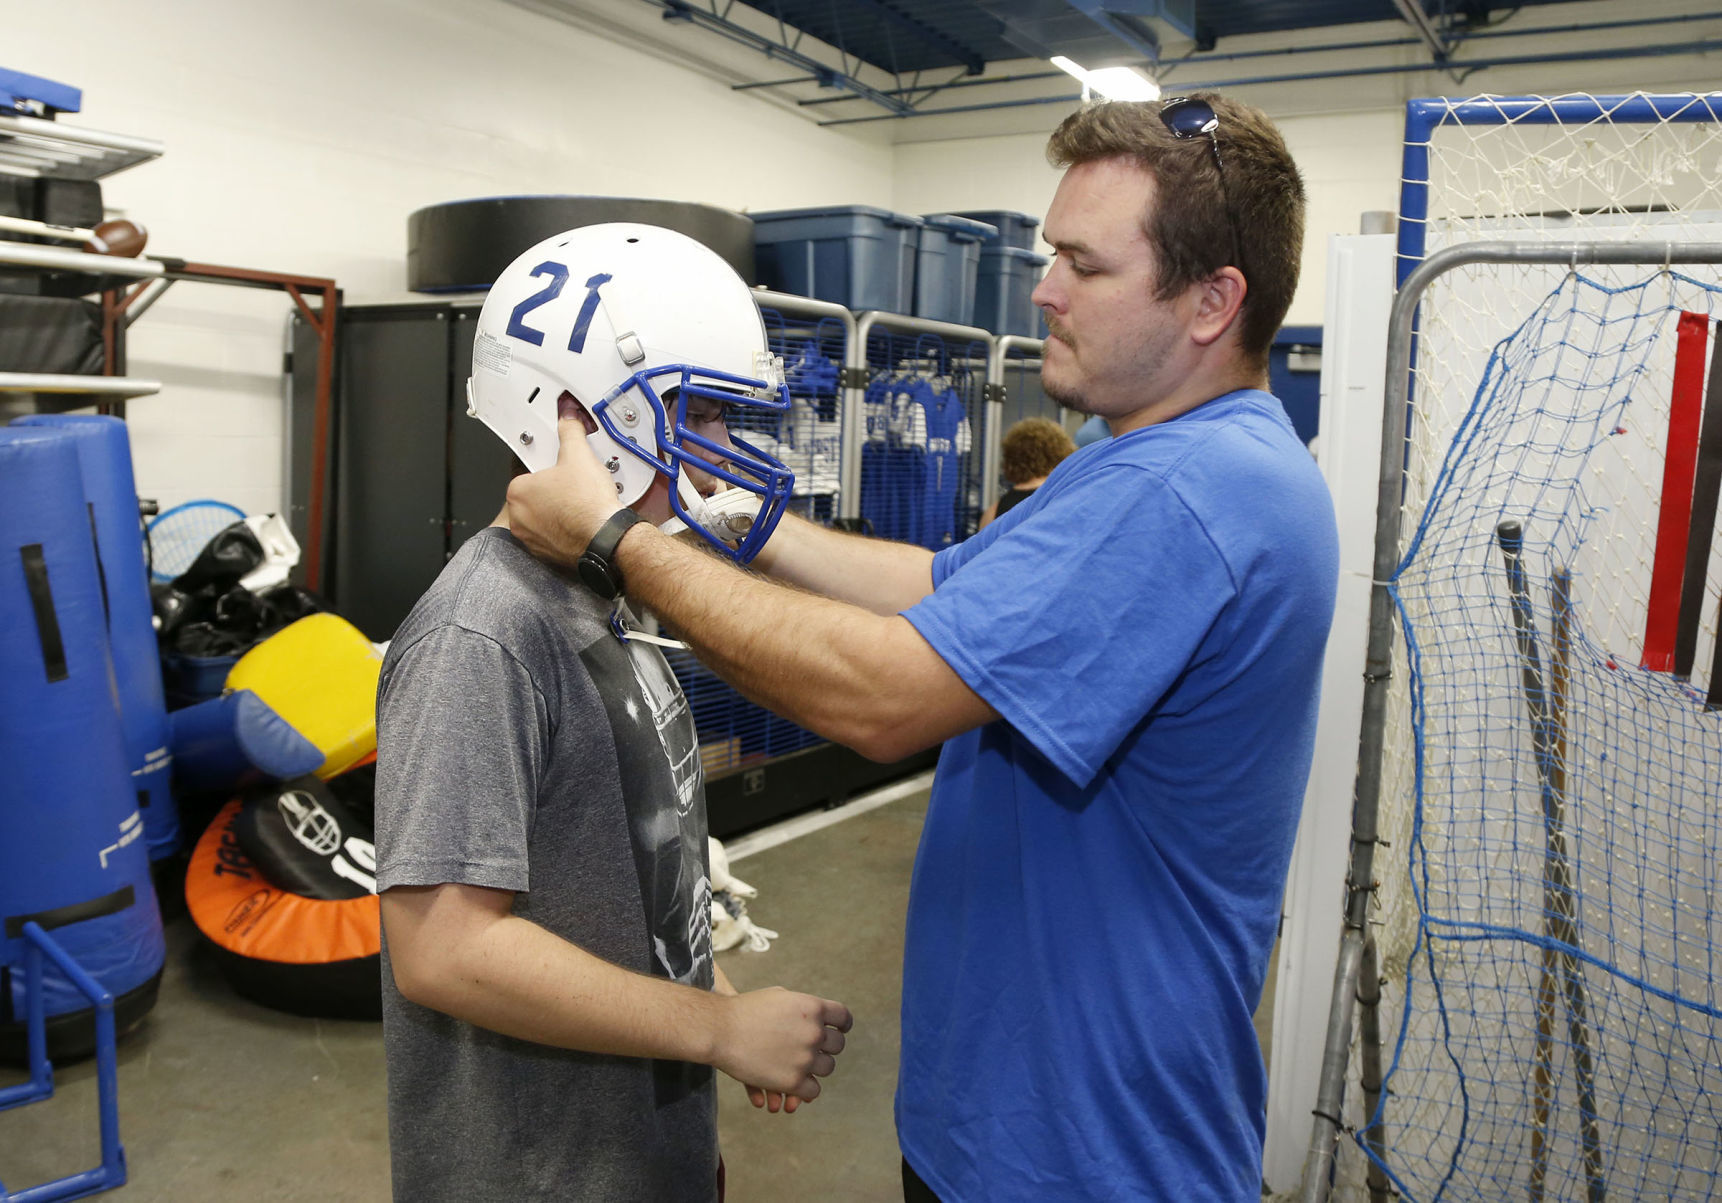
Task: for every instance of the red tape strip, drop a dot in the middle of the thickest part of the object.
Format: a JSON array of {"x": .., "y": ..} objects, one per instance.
[{"x": 1662, "y": 621}]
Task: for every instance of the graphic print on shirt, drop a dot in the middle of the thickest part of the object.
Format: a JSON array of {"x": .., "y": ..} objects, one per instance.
[{"x": 657, "y": 756}]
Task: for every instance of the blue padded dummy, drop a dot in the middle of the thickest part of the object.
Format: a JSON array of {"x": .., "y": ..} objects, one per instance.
[
  {"x": 105, "y": 454},
  {"x": 72, "y": 851}
]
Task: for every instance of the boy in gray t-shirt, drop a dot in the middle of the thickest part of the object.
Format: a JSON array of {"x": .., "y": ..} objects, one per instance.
[{"x": 551, "y": 1006}]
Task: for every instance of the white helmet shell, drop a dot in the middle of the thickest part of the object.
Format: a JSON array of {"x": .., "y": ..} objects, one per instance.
[{"x": 633, "y": 321}]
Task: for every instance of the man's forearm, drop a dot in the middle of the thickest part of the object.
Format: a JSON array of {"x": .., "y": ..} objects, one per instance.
[
  {"x": 877, "y": 575},
  {"x": 862, "y": 679}
]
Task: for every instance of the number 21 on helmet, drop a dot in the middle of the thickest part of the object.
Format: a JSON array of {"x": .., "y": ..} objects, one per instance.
[{"x": 636, "y": 323}]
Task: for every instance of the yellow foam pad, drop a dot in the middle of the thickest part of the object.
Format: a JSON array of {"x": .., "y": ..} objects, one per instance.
[{"x": 319, "y": 674}]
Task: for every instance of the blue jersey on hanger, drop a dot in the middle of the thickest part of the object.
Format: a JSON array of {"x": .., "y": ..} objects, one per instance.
[
  {"x": 1099, "y": 879},
  {"x": 878, "y": 483},
  {"x": 946, "y": 440}
]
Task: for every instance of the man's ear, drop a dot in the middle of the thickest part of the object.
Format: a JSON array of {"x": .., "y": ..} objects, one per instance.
[
  {"x": 570, "y": 406},
  {"x": 1219, "y": 299}
]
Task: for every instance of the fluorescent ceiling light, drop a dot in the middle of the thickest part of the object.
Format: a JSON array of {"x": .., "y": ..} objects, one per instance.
[{"x": 1114, "y": 83}]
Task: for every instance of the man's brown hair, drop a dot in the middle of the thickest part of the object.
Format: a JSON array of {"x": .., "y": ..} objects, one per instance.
[
  {"x": 1033, "y": 447},
  {"x": 1253, "y": 201}
]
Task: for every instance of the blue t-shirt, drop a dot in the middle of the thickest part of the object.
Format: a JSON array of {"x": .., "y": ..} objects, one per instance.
[{"x": 1099, "y": 880}]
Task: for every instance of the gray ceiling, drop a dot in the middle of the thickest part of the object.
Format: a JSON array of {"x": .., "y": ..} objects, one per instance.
[
  {"x": 917, "y": 35},
  {"x": 941, "y": 51}
]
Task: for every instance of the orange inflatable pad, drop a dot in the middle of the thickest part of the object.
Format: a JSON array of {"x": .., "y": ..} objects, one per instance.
[
  {"x": 236, "y": 906},
  {"x": 320, "y": 675}
]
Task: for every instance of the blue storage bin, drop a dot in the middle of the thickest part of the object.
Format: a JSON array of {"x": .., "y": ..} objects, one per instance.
[
  {"x": 1014, "y": 229},
  {"x": 853, "y": 255},
  {"x": 1004, "y": 287},
  {"x": 945, "y": 268}
]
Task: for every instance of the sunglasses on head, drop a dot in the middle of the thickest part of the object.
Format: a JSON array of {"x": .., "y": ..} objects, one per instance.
[{"x": 1187, "y": 117}]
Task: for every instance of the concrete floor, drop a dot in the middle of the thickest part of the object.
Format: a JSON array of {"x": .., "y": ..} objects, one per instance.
[{"x": 221, "y": 1099}]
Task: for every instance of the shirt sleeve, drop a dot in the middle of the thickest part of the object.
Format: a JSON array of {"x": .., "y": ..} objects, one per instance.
[
  {"x": 462, "y": 740},
  {"x": 1074, "y": 621}
]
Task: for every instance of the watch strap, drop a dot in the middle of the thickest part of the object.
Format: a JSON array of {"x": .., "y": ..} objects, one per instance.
[{"x": 600, "y": 553}]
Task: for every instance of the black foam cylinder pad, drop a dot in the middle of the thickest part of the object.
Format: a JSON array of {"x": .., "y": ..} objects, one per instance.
[
  {"x": 62, "y": 202},
  {"x": 73, "y": 856},
  {"x": 462, "y": 246},
  {"x": 50, "y": 334}
]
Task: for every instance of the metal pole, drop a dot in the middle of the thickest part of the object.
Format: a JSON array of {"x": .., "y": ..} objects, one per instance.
[
  {"x": 1360, "y": 882},
  {"x": 990, "y": 454},
  {"x": 1560, "y": 907},
  {"x": 1369, "y": 1067}
]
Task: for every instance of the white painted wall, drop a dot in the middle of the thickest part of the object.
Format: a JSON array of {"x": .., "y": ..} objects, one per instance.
[{"x": 301, "y": 134}]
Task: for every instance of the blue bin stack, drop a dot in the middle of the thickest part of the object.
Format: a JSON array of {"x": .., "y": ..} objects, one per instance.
[
  {"x": 947, "y": 265},
  {"x": 1008, "y": 271},
  {"x": 855, "y": 256},
  {"x": 1014, "y": 229},
  {"x": 974, "y": 268},
  {"x": 1004, "y": 291}
]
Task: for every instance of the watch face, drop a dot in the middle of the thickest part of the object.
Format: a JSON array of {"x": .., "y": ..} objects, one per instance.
[{"x": 597, "y": 576}]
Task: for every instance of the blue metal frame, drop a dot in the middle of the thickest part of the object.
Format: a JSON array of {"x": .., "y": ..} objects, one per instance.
[
  {"x": 112, "y": 1171},
  {"x": 1424, "y": 115}
]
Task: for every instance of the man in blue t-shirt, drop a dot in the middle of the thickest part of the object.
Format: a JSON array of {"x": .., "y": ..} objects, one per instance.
[{"x": 1126, "y": 669}]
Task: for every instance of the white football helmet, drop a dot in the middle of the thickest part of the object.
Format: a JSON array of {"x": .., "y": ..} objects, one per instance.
[{"x": 633, "y": 321}]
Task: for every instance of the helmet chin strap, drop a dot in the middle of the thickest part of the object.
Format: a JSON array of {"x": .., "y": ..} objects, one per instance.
[
  {"x": 728, "y": 514},
  {"x": 691, "y": 501},
  {"x": 621, "y": 623}
]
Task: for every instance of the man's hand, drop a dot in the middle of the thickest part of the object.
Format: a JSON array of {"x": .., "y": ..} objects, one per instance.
[
  {"x": 556, "y": 512},
  {"x": 776, "y": 1041}
]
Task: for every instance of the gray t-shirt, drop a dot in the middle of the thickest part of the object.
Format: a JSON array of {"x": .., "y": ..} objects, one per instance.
[{"x": 523, "y": 746}]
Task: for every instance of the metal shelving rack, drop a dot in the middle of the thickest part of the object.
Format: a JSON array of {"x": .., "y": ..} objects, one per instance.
[
  {"x": 36, "y": 147},
  {"x": 33, "y": 148}
]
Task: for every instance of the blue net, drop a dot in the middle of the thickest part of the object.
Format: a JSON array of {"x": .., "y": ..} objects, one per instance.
[{"x": 1551, "y": 1005}]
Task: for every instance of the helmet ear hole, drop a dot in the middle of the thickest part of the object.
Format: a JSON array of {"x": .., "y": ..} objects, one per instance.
[{"x": 569, "y": 406}]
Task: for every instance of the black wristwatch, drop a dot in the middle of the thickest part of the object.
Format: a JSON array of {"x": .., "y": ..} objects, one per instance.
[{"x": 597, "y": 564}]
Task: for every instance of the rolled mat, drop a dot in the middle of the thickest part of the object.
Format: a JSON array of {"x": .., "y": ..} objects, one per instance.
[{"x": 282, "y": 886}]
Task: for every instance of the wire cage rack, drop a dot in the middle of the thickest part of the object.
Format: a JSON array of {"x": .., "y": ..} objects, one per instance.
[
  {"x": 813, "y": 340},
  {"x": 927, "y": 424}
]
